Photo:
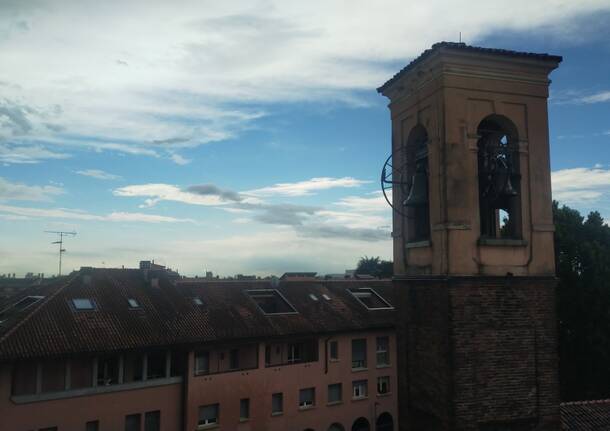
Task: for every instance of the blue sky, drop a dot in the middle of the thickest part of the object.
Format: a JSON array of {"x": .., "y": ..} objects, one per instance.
[{"x": 248, "y": 137}]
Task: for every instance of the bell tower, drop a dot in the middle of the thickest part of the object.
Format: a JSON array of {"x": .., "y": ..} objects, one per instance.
[{"x": 473, "y": 240}]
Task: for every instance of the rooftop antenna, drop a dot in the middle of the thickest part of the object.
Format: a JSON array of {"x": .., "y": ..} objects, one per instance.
[
  {"x": 460, "y": 37},
  {"x": 62, "y": 250}
]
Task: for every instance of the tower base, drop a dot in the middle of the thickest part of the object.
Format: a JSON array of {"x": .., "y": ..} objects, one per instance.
[{"x": 477, "y": 353}]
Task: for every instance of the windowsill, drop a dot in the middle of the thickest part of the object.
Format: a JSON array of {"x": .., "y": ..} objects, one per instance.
[
  {"x": 359, "y": 369},
  {"x": 387, "y": 394},
  {"x": 227, "y": 371},
  {"x": 418, "y": 244},
  {"x": 207, "y": 426},
  {"x": 384, "y": 366},
  {"x": 502, "y": 242},
  {"x": 360, "y": 398},
  {"x": 242, "y": 420},
  {"x": 277, "y": 413},
  {"x": 301, "y": 408},
  {"x": 94, "y": 390},
  {"x": 334, "y": 403},
  {"x": 333, "y": 360}
]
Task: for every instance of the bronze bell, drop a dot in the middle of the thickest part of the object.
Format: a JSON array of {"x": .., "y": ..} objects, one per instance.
[{"x": 418, "y": 194}]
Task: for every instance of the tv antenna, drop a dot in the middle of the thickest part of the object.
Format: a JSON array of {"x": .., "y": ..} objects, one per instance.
[{"x": 62, "y": 250}]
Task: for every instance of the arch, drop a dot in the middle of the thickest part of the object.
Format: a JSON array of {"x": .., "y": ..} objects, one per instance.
[
  {"x": 384, "y": 422},
  {"x": 336, "y": 427},
  {"x": 361, "y": 424},
  {"x": 499, "y": 178},
  {"x": 416, "y": 197}
]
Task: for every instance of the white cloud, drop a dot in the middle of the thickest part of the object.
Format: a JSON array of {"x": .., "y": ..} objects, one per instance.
[
  {"x": 99, "y": 174},
  {"x": 602, "y": 96},
  {"x": 74, "y": 214},
  {"x": 179, "y": 160},
  {"x": 27, "y": 154},
  {"x": 307, "y": 187},
  {"x": 577, "y": 185},
  {"x": 21, "y": 192},
  {"x": 134, "y": 89}
]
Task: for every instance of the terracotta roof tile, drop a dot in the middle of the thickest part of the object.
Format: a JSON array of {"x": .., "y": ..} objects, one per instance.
[
  {"x": 585, "y": 415},
  {"x": 168, "y": 315}
]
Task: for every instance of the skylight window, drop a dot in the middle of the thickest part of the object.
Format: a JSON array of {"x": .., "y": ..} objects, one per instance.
[
  {"x": 23, "y": 303},
  {"x": 370, "y": 299},
  {"x": 325, "y": 296},
  {"x": 197, "y": 301},
  {"x": 83, "y": 304},
  {"x": 270, "y": 301},
  {"x": 313, "y": 297},
  {"x": 133, "y": 303}
]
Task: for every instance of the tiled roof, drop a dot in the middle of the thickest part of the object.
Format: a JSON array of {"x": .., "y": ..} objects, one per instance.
[
  {"x": 585, "y": 415},
  {"x": 169, "y": 316},
  {"x": 466, "y": 48}
]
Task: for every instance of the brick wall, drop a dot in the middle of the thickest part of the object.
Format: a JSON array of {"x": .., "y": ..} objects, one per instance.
[{"x": 480, "y": 353}]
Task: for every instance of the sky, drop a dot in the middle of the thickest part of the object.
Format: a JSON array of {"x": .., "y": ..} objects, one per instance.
[{"x": 248, "y": 137}]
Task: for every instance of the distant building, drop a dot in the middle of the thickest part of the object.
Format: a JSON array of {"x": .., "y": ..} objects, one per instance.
[{"x": 117, "y": 349}]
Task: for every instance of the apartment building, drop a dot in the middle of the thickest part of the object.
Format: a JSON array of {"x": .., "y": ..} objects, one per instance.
[{"x": 134, "y": 350}]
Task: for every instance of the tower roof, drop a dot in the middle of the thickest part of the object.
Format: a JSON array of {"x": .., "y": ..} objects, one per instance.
[{"x": 455, "y": 46}]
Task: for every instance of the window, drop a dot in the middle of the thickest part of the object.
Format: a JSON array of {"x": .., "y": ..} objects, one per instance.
[
  {"x": 133, "y": 367},
  {"x": 333, "y": 348},
  {"x": 359, "y": 389},
  {"x": 83, "y": 304},
  {"x": 383, "y": 385},
  {"x": 197, "y": 301},
  {"x": 107, "y": 371},
  {"x": 202, "y": 362},
  {"x": 277, "y": 403},
  {"x": 208, "y": 414},
  {"x": 370, "y": 299},
  {"x": 244, "y": 409},
  {"x": 294, "y": 352},
  {"x": 133, "y": 303},
  {"x": 81, "y": 372},
  {"x": 24, "y": 378},
  {"x": 325, "y": 296},
  {"x": 92, "y": 426},
  {"x": 156, "y": 363},
  {"x": 53, "y": 376},
  {"x": 313, "y": 297},
  {"x": 335, "y": 393},
  {"x": 152, "y": 421},
  {"x": 270, "y": 301},
  {"x": 307, "y": 397},
  {"x": 359, "y": 353},
  {"x": 26, "y": 302},
  {"x": 132, "y": 422},
  {"x": 234, "y": 359},
  {"x": 383, "y": 351}
]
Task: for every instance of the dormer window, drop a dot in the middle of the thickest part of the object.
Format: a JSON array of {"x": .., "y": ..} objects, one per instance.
[
  {"x": 133, "y": 303},
  {"x": 197, "y": 301},
  {"x": 83, "y": 304},
  {"x": 270, "y": 301},
  {"x": 370, "y": 299}
]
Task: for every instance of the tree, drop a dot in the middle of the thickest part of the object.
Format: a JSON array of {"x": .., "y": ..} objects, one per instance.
[
  {"x": 582, "y": 256},
  {"x": 375, "y": 266}
]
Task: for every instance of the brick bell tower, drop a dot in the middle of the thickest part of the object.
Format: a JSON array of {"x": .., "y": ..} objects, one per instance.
[{"x": 473, "y": 240}]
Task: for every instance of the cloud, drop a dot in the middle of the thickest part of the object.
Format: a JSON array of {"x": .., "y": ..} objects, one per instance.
[
  {"x": 603, "y": 96},
  {"x": 21, "y": 192},
  {"x": 99, "y": 174},
  {"x": 165, "y": 192},
  {"x": 179, "y": 160},
  {"x": 73, "y": 214},
  {"x": 27, "y": 154},
  {"x": 134, "y": 90},
  {"x": 213, "y": 190},
  {"x": 307, "y": 187},
  {"x": 579, "y": 185},
  {"x": 338, "y": 231}
]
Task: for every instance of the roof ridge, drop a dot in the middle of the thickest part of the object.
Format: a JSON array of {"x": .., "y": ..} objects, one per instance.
[{"x": 44, "y": 302}]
